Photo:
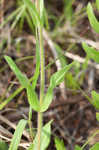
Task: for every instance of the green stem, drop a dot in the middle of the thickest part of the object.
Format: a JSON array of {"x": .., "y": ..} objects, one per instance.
[{"x": 42, "y": 83}]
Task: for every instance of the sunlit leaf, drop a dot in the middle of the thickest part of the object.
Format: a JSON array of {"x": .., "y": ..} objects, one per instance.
[
  {"x": 77, "y": 147},
  {"x": 92, "y": 19},
  {"x": 95, "y": 100},
  {"x": 41, "y": 9},
  {"x": 59, "y": 144},
  {"x": 17, "y": 135},
  {"x": 91, "y": 52},
  {"x": 95, "y": 147},
  {"x": 97, "y": 4}
]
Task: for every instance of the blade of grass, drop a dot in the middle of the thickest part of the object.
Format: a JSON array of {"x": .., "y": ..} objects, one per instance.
[
  {"x": 17, "y": 135},
  {"x": 92, "y": 19}
]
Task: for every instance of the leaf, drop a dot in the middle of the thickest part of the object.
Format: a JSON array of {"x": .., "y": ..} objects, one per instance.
[
  {"x": 61, "y": 57},
  {"x": 95, "y": 101},
  {"x": 77, "y": 147},
  {"x": 3, "y": 145},
  {"x": 55, "y": 80},
  {"x": 17, "y": 135},
  {"x": 37, "y": 70},
  {"x": 41, "y": 9},
  {"x": 10, "y": 17},
  {"x": 32, "y": 98},
  {"x": 58, "y": 77},
  {"x": 95, "y": 147},
  {"x": 91, "y": 52},
  {"x": 45, "y": 138},
  {"x": 19, "y": 15},
  {"x": 33, "y": 12},
  {"x": 22, "y": 78},
  {"x": 92, "y": 19},
  {"x": 97, "y": 4},
  {"x": 97, "y": 116},
  {"x": 68, "y": 10},
  {"x": 59, "y": 144}
]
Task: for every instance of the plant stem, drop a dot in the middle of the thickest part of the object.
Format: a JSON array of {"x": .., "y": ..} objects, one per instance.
[
  {"x": 42, "y": 83},
  {"x": 42, "y": 79}
]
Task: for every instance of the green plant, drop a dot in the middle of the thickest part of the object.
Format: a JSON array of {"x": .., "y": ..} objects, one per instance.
[{"x": 42, "y": 138}]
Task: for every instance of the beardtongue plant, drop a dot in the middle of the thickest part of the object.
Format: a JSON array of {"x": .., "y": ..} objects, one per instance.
[{"x": 42, "y": 138}]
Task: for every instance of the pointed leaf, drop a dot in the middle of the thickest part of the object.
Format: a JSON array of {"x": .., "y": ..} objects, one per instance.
[
  {"x": 97, "y": 4},
  {"x": 41, "y": 9},
  {"x": 55, "y": 80},
  {"x": 95, "y": 101},
  {"x": 95, "y": 147},
  {"x": 92, "y": 19},
  {"x": 77, "y": 147},
  {"x": 45, "y": 138},
  {"x": 58, "y": 77},
  {"x": 91, "y": 52},
  {"x": 32, "y": 98},
  {"x": 37, "y": 70},
  {"x": 18, "y": 16},
  {"x": 22, "y": 78},
  {"x": 33, "y": 12},
  {"x": 59, "y": 144},
  {"x": 17, "y": 135}
]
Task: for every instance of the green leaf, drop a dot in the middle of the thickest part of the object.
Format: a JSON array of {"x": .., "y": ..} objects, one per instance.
[
  {"x": 41, "y": 9},
  {"x": 95, "y": 147},
  {"x": 32, "y": 98},
  {"x": 77, "y": 147},
  {"x": 45, "y": 138},
  {"x": 55, "y": 80},
  {"x": 18, "y": 16},
  {"x": 95, "y": 101},
  {"x": 97, "y": 116},
  {"x": 61, "y": 57},
  {"x": 22, "y": 78},
  {"x": 33, "y": 12},
  {"x": 97, "y": 4},
  {"x": 37, "y": 70},
  {"x": 92, "y": 19},
  {"x": 3, "y": 145},
  {"x": 58, "y": 77},
  {"x": 68, "y": 10},
  {"x": 17, "y": 135},
  {"x": 10, "y": 17},
  {"x": 91, "y": 52},
  {"x": 59, "y": 144}
]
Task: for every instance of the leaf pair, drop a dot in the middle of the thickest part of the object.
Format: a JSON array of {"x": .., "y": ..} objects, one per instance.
[{"x": 55, "y": 80}]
